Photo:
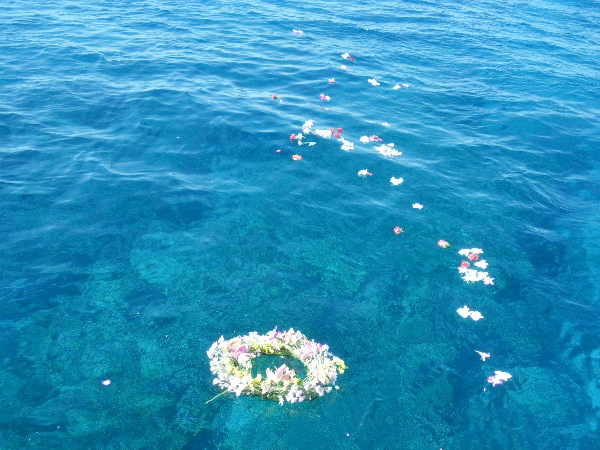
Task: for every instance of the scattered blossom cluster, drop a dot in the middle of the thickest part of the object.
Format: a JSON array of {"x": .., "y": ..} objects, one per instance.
[
  {"x": 473, "y": 275},
  {"x": 347, "y": 145},
  {"x": 308, "y": 131},
  {"x": 231, "y": 362}
]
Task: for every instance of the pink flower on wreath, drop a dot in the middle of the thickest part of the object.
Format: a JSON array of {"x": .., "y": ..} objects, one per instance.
[
  {"x": 310, "y": 349},
  {"x": 282, "y": 373},
  {"x": 242, "y": 350},
  {"x": 465, "y": 264},
  {"x": 473, "y": 256},
  {"x": 277, "y": 334}
]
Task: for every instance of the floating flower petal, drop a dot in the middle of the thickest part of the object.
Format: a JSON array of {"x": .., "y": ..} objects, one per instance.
[
  {"x": 476, "y": 315},
  {"x": 347, "y": 145},
  {"x": 417, "y": 206},
  {"x": 464, "y": 312},
  {"x": 396, "y": 181},
  {"x": 364, "y": 173},
  {"x": 323, "y": 133},
  {"x": 373, "y": 81},
  {"x": 472, "y": 275},
  {"x": 499, "y": 378},
  {"x": 398, "y": 230},
  {"x": 503, "y": 375},
  {"x": 443, "y": 244},
  {"x": 388, "y": 150},
  {"x": 483, "y": 355},
  {"x": 482, "y": 264},
  {"x": 488, "y": 281}
]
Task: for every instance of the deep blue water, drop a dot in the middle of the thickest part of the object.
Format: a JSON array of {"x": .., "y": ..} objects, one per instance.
[{"x": 145, "y": 212}]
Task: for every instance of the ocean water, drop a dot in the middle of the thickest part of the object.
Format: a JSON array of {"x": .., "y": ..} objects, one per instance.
[{"x": 146, "y": 211}]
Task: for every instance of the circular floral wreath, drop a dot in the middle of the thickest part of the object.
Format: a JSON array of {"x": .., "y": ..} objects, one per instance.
[{"x": 231, "y": 362}]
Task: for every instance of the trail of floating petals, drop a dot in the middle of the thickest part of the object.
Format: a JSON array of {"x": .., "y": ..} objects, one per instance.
[{"x": 468, "y": 275}]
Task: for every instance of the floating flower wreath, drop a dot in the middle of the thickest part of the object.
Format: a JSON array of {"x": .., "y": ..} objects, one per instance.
[{"x": 231, "y": 362}]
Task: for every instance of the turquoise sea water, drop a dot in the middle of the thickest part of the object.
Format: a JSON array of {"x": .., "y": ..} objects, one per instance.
[{"x": 145, "y": 212}]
